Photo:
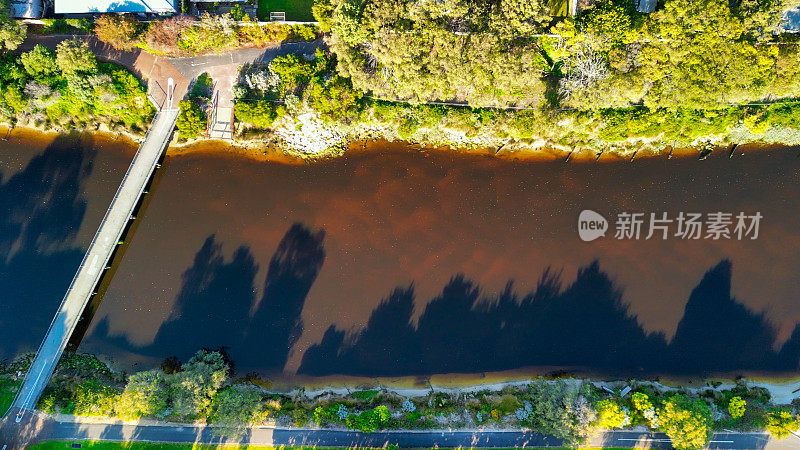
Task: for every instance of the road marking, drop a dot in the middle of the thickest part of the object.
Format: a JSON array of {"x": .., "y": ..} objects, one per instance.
[{"x": 668, "y": 440}]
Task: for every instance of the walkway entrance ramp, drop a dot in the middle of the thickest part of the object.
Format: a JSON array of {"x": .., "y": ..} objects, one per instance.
[{"x": 96, "y": 259}]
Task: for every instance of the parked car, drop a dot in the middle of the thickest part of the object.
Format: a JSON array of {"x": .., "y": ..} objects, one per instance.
[{"x": 27, "y": 9}]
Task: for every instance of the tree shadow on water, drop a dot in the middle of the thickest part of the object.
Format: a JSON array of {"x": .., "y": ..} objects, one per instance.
[
  {"x": 586, "y": 325},
  {"x": 43, "y": 208},
  {"x": 216, "y": 306}
]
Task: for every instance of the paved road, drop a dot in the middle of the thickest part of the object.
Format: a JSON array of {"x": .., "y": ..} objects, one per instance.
[
  {"x": 95, "y": 260},
  {"x": 38, "y": 427},
  {"x": 193, "y": 66},
  {"x": 157, "y": 69}
]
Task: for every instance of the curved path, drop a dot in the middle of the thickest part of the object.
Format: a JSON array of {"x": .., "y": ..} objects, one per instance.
[{"x": 154, "y": 68}]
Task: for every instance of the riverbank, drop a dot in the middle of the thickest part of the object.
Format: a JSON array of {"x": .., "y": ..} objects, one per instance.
[{"x": 85, "y": 391}]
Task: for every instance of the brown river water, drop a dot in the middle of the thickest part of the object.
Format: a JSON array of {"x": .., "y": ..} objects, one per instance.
[{"x": 393, "y": 261}]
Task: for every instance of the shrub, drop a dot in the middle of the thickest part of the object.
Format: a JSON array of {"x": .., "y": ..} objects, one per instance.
[
  {"x": 369, "y": 420},
  {"x": 781, "y": 424},
  {"x": 736, "y": 407},
  {"x": 609, "y": 414},
  {"x": 641, "y": 402},
  {"x": 214, "y": 32},
  {"x": 191, "y": 120},
  {"x": 12, "y": 33},
  {"x": 163, "y": 35},
  {"x": 122, "y": 32},
  {"x": 73, "y": 56},
  {"x": 685, "y": 421},
  {"x": 203, "y": 86},
  {"x": 92, "y": 399},
  {"x": 260, "y": 113},
  {"x": 40, "y": 63},
  {"x": 364, "y": 395},
  {"x": 292, "y": 70}
]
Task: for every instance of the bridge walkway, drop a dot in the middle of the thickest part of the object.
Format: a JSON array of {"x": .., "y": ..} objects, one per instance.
[{"x": 95, "y": 260}]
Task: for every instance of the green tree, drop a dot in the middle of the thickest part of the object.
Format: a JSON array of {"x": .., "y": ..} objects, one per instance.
[
  {"x": 93, "y": 399},
  {"x": 609, "y": 414},
  {"x": 736, "y": 407},
  {"x": 259, "y": 113},
  {"x": 74, "y": 56},
  {"x": 40, "y": 63},
  {"x": 292, "y": 70},
  {"x": 686, "y": 422},
  {"x": 145, "y": 395},
  {"x": 561, "y": 410},
  {"x": 235, "y": 408},
  {"x": 12, "y": 32},
  {"x": 781, "y": 424},
  {"x": 191, "y": 120},
  {"x": 193, "y": 389},
  {"x": 122, "y": 32},
  {"x": 335, "y": 99},
  {"x": 323, "y": 12}
]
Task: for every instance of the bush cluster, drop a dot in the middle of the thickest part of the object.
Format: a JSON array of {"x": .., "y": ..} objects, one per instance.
[
  {"x": 69, "y": 87},
  {"x": 203, "y": 389},
  {"x": 184, "y": 35}
]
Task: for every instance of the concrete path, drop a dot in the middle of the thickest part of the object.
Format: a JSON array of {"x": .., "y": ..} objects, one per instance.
[
  {"x": 153, "y": 69},
  {"x": 192, "y": 66},
  {"x": 96, "y": 259}
]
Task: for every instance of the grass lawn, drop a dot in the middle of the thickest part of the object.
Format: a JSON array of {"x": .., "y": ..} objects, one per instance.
[
  {"x": 8, "y": 389},
  {"x": 298, "y": 10},
  {"x": 95, "y": 445}
]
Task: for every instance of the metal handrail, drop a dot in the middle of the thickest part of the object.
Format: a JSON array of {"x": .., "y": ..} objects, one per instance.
[{"x": 84, "y": 260}]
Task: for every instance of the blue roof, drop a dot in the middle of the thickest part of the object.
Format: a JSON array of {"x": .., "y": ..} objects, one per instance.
[
  {"x": 646, "y": 6},
  {"x": 116, "y": 6},
  {"x": 791, "y": 22}
]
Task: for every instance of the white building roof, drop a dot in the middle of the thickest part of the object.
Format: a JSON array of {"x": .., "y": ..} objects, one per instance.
[{"x": 116, "y": 6}]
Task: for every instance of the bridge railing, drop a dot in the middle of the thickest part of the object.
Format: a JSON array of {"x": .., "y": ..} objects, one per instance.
[
  {"x": 31, "y": 387},
  {"x": 156, "y": 94}
]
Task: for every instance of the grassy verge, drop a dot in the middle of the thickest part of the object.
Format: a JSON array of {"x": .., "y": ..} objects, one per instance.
[
  {"x": 299, "y": 10},
  {"x": 8, "y": 389}
]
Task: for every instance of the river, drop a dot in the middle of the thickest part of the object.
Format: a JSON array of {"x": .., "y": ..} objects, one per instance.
[{"x": 393, "y": 261}]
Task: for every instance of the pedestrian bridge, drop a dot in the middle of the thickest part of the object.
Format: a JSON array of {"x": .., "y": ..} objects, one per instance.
[{"x": 95, "y": 260}]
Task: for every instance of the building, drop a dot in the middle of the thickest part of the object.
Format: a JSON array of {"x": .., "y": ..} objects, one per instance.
[
  {"x": 791, "y": 21},
  {"x": 646, "y": 6},
  {"x": 116, "y": 6},
  {"x": 223, "y": 6},
  {"x": 27, "y": 9}
]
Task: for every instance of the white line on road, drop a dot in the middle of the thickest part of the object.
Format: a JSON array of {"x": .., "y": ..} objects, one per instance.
[{"x": 668, "y": 440}]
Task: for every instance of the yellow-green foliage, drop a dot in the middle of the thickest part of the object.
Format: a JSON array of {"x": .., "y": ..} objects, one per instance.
[
  {"x": 686, "y": 422},
  {"x": 70, "y": 87},
  {"x": 641, "y": 402},
  {"x": 609, "y": 414},
  {"x": 736, "y": 407},
  {"x": 781, "y": 424}
]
